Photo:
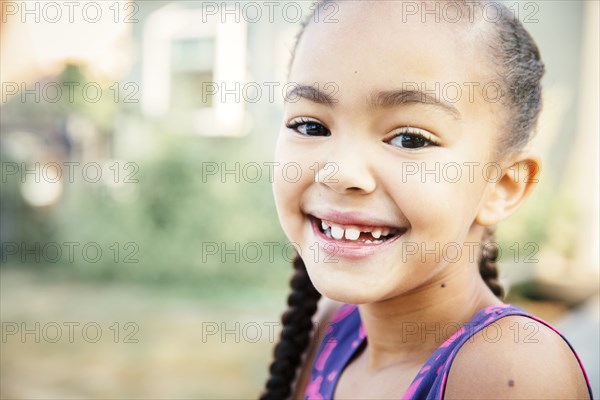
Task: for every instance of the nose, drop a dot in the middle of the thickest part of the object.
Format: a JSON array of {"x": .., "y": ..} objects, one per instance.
[{"x": 346, "y": 171}]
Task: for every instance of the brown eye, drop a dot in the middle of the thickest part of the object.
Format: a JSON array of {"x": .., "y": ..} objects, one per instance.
[
  {"x": 412, "y": 139},
  {"x": 409, "y": 141},
  {"x": 309, "y": 128}
]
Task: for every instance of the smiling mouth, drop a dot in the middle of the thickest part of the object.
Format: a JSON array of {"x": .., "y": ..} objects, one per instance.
[{"x": 361, "y": 235}]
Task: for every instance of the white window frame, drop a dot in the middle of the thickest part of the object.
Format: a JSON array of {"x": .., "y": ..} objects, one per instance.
[{"x": 226, "y": 116}]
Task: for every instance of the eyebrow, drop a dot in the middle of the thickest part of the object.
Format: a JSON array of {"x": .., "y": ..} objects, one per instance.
[
  {"x": 310, "y": 93},
  {"x": 394, "y": 98},
  {"x": 385, "y": 99}
]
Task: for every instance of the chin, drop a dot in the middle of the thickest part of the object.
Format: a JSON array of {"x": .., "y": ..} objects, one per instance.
[
  {"x": 345, "y": 296},
  {"x": 344, "y": 287}
]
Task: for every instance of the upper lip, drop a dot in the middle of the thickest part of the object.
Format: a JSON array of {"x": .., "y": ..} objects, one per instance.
[{"x": 353, "y": 218}]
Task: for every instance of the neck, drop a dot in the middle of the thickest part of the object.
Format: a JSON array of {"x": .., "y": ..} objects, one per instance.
[{"x": 411, "y": 326}]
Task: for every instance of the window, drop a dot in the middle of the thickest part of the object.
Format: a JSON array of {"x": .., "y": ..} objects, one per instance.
[{"x": 187, "y": 61}]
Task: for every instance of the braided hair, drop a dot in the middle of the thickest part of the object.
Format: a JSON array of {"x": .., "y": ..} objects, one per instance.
[
  {"x": 487, "y": 262},
  {"x": 295, "y": 335},
  {"x": 517, "y": 56}
]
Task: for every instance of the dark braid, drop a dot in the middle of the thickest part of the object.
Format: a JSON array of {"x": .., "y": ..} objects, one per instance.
[
  {"x": 295, "y": 334},
  {"x": 487, "y": 263}
]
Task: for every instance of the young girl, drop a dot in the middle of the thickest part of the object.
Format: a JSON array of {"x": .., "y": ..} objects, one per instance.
[{"x": 409, "y": 121}]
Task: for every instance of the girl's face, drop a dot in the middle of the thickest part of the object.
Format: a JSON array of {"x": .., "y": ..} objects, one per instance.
[{"x": 392, "y": 116}]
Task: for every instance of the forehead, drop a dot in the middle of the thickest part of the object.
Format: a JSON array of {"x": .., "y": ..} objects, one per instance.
[{"x": 376, "y": 45}]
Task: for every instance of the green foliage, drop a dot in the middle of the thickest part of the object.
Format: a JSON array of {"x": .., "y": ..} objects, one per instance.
[
  {"x": 156, "y": 229},
  {"x": 175, "y": 218}
]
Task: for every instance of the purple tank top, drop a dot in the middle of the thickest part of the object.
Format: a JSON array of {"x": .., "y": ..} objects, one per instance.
[{"x": 345, "y": 334}]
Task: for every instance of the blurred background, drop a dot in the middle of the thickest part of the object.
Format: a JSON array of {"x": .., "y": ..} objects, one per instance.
[{"x": 141, "y": 252}]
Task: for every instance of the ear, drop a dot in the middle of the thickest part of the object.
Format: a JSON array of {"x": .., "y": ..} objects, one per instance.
[{"x": 505, "y": 194}]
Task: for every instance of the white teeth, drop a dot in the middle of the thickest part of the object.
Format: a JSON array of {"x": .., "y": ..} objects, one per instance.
[
  {"x": 340, "y": 232},
  {"x": 352, "y": 233},
  {"x": 337, "y": 232}
]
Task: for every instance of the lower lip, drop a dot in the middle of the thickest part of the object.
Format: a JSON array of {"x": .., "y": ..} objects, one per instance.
[{"x": 345, "y": 249}]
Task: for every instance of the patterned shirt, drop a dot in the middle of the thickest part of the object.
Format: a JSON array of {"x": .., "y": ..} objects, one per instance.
[{"x": 346, "y": 334}]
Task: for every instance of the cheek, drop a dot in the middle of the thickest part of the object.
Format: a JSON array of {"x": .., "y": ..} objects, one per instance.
[
  {"x": 292, "y": 176},
  {"x": 439, "y": 200}
]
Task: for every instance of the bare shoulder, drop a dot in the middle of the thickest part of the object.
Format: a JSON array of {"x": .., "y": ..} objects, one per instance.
[
  {"x": 327, "y": 308},
  {"x": 516, "y": 358}
]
